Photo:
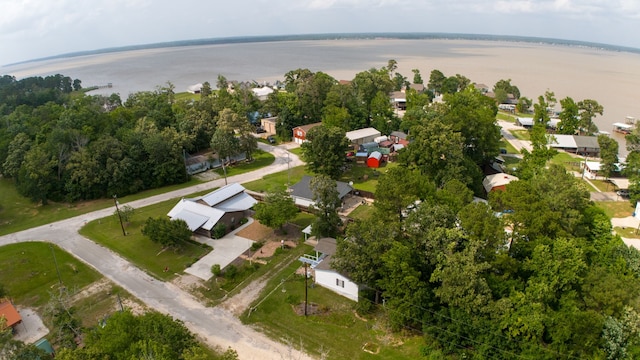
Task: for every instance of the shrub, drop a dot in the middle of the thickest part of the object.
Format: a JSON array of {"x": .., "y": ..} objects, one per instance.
[
  {"x": 292, "y": 299},
  {"x": 215, "y": 270},
  {"x": 230, "y": 272},
  {"x": 257, "y": 245},
  {"x": 219, "y": 231},
  {"x": 243, "y": 221}
]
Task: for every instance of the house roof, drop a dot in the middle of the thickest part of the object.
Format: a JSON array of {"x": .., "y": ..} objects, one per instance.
[
  {"x": 240, "y": 202},
  {"x": 222, "y": 194},
  {"x": 524, "y": 121},
  {"x": 398, "y": 96},
  {"x": 307, "y": 127},
  {"x": 10, "y": 313},
  {"x": 263, "y": 91},
  {"x": 362, "y": 133},
  {"x": 272, "y": 119},
  {"x": 417, "y": 87},
  {"x": 399, "y": 134},
  {"x": 326, "y": 246},
  {"x": 196, "y": 215},
  {"x": 562, "y": 141},
  {"x": 586, "y": 142},
  {"x": 302, "y": 189},
  {"x": 495, "y": 180}
]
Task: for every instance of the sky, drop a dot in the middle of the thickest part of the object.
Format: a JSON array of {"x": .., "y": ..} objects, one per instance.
[{"x": 32, "y": 29}]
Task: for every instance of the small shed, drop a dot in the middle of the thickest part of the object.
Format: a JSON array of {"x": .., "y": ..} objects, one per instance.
[
  {"x": 374, "y": 159},
  {"x": 497, "y": 182},
  {"x": 10, "y": 313}
]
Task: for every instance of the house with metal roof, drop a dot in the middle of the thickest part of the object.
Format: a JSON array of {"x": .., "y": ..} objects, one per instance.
[
  {"x": 303, "y": 195},
  {"x": 497, "y": 181},
  {"x": 361, "y": 136},
  {"x": 582, "y": 145},
  {"x": 226, "y": 205}
]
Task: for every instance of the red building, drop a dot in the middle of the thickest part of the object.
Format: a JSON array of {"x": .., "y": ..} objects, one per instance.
[
  {"x": 374, "y": 159},
  {"x": 300, "y": 132}
]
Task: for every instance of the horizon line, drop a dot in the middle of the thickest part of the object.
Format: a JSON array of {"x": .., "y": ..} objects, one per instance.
[{"x": 336, "y": 36}]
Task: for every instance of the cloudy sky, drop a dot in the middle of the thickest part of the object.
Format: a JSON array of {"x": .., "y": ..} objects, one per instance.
[{"x": 31, "y": 29}]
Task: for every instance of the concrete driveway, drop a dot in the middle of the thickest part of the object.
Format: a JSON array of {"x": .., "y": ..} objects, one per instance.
[{"x": 225, "y": 250}]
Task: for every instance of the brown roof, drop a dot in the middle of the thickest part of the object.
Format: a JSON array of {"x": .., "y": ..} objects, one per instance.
[
  {"x": 307, "y": 127},
  {"x": 10, "y": 313},
  {"x": 326, "y": 246},
  {"x": 344, "y": 82}
]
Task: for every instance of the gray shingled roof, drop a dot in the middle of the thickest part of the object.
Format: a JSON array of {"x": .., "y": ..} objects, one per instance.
[{"x": 302, "y": 189}]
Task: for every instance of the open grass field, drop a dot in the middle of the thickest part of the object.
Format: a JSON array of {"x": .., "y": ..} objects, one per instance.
[
  {"x": 568, "y": 161},
  {"x": 297, "y": 151},
  {"x": 616, "y": 209},
  {"x": 365, "y": 178},
  {"x": 29, "y": 273},
  {"x": 504, "y": 144},
  {"x": 260, "y": 160},
  {"x": 272, "y": 182},
  {"x": 139, "y": 249},
  {"x": 521, "y": 134},
  {"x": 505, "y": 117},
  {"x": 362, "y": 212},
  {"x": 327, "y": 330},
  {"x": 19, "y": 213},
  {"x": 630, "y": 233}
]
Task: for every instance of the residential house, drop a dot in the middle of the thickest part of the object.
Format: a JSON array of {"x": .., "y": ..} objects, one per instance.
[
  {"x": 497, "y": 182},
  {"x": 300, "y": 132},
  {"x": 399, "y": 137},
  {"x": 525, "y": 122},
  {"x": 593, "y": 170},
  {"x": 482, "y": 88},
  {"x": 582, "y": 145},
  {"x": 226, "y": 205},
  {"x": 325, "y": 275},
  {"x": 361, "y": 136},
  {"x": 419, "y": 88},
  {"x": 399, "y": 100},
  {"x": 195, "y": 89},
  {"x": 303, "y": 195}
]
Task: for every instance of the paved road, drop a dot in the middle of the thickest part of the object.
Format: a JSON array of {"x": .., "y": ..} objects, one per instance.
[
  {"x": 518, "y": 144},
  {"x": 216, "y": 326}
]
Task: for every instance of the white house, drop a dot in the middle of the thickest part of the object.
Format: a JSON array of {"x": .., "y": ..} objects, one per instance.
[
  {"x": 324, "y": 274},
  {"x": 262, "y": 93},
  {"x": 226, "y": 205}
]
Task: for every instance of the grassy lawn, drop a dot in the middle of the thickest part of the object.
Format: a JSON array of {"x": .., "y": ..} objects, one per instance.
[
  {"x": 186, "y": 96},
  {"x": 616, "y": 209},
  {"x": 303, "y": 219},
  {"x": 277, "y": 180},
  {"x": 505, "y": 117},
  {"x": 260, "y": 160},
  {"x": 504, "y": 144},
  {"x": 603, "y": 185},
  {"x": 362, "y": 212},
  {"x": 29, "y": 272},
  {"x": 19, "y": 213},
  {"x": 274, "y": 313},
  {"x": 569, "y": 161},
  {"x": 521, "y": 134},
  {"x": 297, "y": 151},
  {"x": 365, "y": 178},
  {"x": 139, "y": 249},
  {"x": 630, "y": 233}
]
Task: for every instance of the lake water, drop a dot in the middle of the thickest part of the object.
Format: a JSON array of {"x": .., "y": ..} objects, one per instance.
[{"x": 610, "y": 77}]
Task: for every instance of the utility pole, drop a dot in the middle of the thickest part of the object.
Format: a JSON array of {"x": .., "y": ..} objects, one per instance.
[
  {"x": 305, "y": 289},
  {"x": 57, "y": 269},
  {"x": 115, "y": 201}
]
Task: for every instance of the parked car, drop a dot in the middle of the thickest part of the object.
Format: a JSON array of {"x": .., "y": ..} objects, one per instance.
[
  {"x": 623, "y": 192},
  {"x": 271, "y": 139}
]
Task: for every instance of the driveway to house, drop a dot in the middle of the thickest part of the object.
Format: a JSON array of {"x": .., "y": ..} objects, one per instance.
[
  {"x": 505, "y": 126},
  {"x": 218, "y": 327},
  {"x": 225, "y": 250}
]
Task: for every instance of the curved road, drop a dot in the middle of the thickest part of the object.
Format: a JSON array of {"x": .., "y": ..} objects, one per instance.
[{"x": 216, "y": 326}]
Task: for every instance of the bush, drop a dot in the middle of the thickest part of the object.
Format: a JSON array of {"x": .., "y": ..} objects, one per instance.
[
  {"x": 257, "y": 245},
  {"x": 219, "y": 231},
  {"x": 215, "y": 270},
  {"x": 230, "y": 272},
  {"x": 243, "y": 221}
]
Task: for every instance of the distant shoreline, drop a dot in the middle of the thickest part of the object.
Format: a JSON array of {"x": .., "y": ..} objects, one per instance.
[{"x": 339, "y": 36}]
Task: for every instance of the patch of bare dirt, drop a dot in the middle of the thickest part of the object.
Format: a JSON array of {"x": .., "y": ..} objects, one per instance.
[
  {"x": 312, "y": 309},
  {"x": 103, "y": 285}
]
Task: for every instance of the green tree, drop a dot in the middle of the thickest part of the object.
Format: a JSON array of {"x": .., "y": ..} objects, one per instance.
[
  {"x": 325, "y": 150},
  {"x": 504, "y": 86},
  {"x": 18, "y": 148},
  {"x": 326, "y": 202},
  {"x": 417, "y": 79},
  {"x": 166, "y": 232},
  {"x": 225, "y": 144},
  {"x": 608, "y": 155},
  {"x": 276, "y": 209},
  {"x": 436, "y": 81},
  {"x": 524, "y": 104},
  {"x": 392, "y": 200},
  {"x": 588, "y": 110},
  {"x": 569, "y": 117}
]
